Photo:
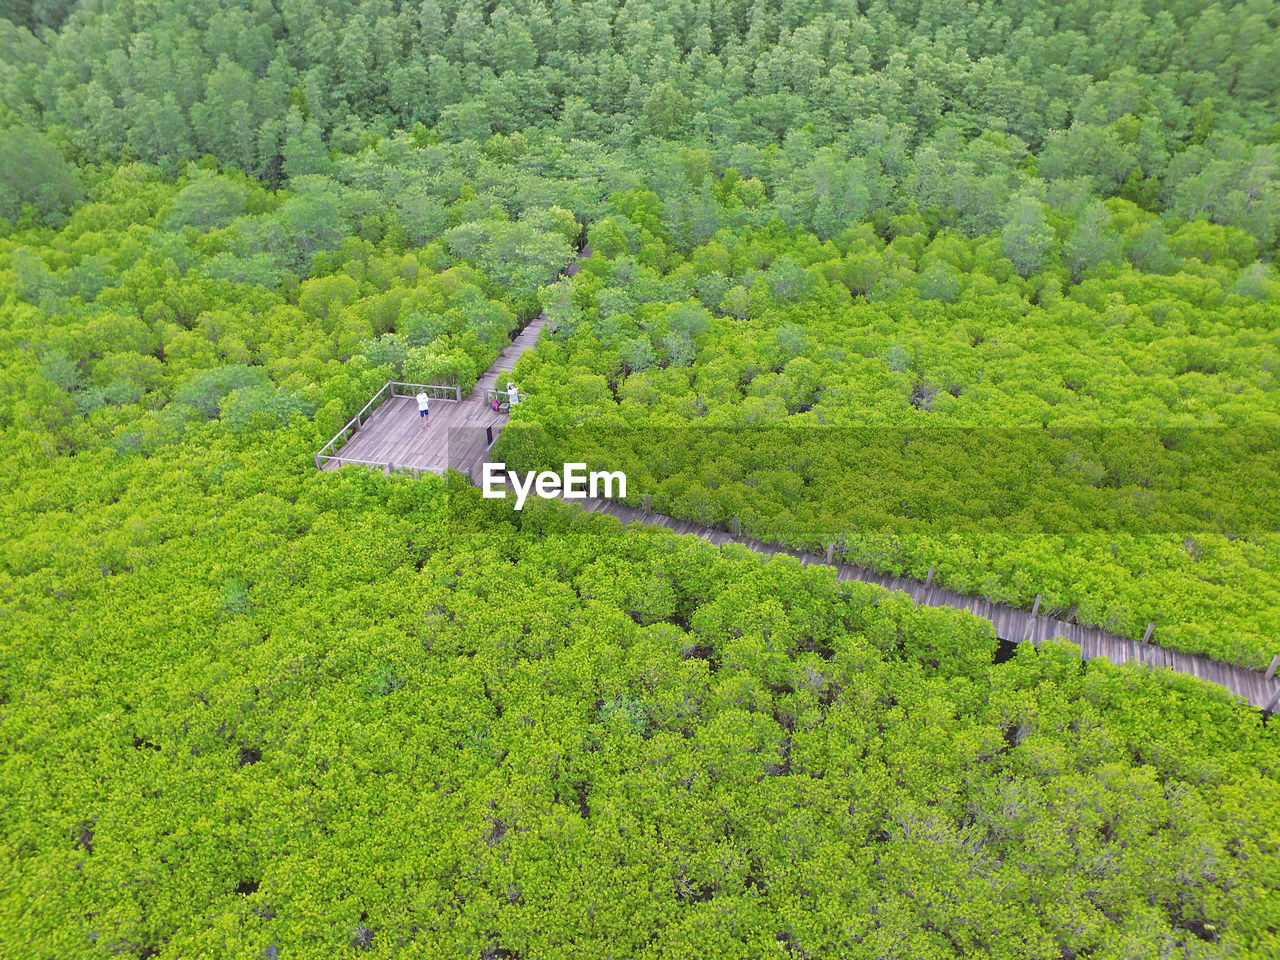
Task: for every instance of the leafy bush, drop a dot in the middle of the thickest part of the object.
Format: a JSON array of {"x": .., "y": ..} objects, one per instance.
[{"x": 630, "y": 712}]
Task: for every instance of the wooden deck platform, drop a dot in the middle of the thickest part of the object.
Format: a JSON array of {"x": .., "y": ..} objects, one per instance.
[
  {"x": 456, "y": 436},
  {"x": 396, "y": 438}
]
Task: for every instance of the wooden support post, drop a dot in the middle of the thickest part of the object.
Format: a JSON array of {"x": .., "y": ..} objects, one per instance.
[
  {"x": 1275, "y": 662},
  {"x": 831, "y": 552},
  {"x": 648, "y": 504},
  {"x": 1146, "y": 637},
  {"x": 928, "y": 581},
  {"x": 1031, "y": 624},
  {"x": 736, "y": 529}
]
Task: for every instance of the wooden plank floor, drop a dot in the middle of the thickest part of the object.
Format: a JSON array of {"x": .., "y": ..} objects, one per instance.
[
  {"x": 396, "y": 438},
  {"x": 1010, "y": 623},
  {"x": 525, "y": 340}
]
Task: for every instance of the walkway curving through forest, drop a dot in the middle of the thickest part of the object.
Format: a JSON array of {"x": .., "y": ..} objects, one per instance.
[
  {"x": 463, "y": 430},
  {"x": 1011, "y": 624},
  {"x": 525, "y": 340}
]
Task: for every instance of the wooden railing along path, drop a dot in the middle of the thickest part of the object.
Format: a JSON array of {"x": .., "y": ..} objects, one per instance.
[
  {"x": 392, "y": 388},
  {"x": 1011, "y": 624}
]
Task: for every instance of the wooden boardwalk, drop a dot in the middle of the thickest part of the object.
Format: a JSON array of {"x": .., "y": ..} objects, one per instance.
[
  {"x": 462, "y": 430},
  {"x": 525, "y": 340},
  {"x": 395, "y": 438},
  {"x": 1011, "y": 624}
]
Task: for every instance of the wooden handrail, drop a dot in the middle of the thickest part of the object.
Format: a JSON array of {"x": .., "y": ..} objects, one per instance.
[
  {"x": 392, "y": 388},
  {"x": 441, "y": 391},
  {"x": 502, "y": 396},
  {"x": 343, "y": 461}
]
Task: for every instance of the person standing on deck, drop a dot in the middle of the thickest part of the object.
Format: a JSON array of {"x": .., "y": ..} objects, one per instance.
[
  {"x": 424, "y": 407},
  {"x": 513, "y": 395}
]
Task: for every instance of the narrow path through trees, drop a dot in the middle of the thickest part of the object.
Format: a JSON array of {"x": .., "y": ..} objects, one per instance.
[{"x": 1011, "y": 624}]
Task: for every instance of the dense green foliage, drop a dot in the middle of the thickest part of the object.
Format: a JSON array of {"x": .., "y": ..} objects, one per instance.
[
  {"x": 876, "y": 105},
  {"x": 253, "y": 709},
  {"x": 259, "y": 296},
  {"x": 380, "y": 715}
]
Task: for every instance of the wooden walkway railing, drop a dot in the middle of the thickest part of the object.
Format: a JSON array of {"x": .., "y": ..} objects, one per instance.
[
  {"x": 490, "y": 394},
  {"x": 1011, "y": 624},
  {"x": 392, "y": 388}
]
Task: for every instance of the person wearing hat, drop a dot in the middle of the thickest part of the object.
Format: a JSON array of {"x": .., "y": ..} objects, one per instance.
[{"x": 513, "y": 395}]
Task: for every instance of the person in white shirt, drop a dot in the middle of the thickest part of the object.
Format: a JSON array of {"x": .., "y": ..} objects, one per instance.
[
  {"x": 424, "y": 407},
  {"x": 513, "y": 395}
]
